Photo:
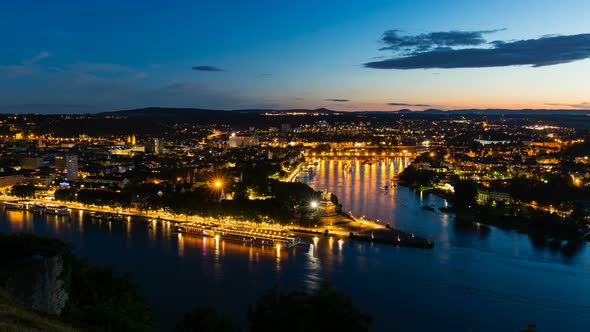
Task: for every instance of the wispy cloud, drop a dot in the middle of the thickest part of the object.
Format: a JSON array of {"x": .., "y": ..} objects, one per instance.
[
  {"x": 408, "y": 105},
  {"x": 583, "y": 106},
  {"x": 25, "y": 68},
  {"x": 455, "y": 50},
  {"x": 72, "y": 87},
  {"x": 338, "y": 100},
  {"x": 42, "y": 55},
  {"x": 207, "y": 68},
  {"x": 77, "y": 72}
]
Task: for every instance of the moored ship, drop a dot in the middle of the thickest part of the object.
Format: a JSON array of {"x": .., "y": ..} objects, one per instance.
[
  {"x": 243, "y": 234},
  {"x": 106, "y": 216},
  {"x": 25, "y": 205},
  {"x": 58, "y": 210},
  {"x": 18, "y": 205}
]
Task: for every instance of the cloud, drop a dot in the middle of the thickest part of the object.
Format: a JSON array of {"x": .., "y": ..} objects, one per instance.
[
  {"x": 543, "y": 51},
  {"x": 25, "y": 68},
  {"x": 584, "y": 105},
  {"x": 42, "y": 55},
  {"x": 405, "y": 104},
  {"x": 83, "y": 87},
  {"x": 207, "y": 68},
  {"x": 427, "y": 41},
  {"x": 338, "y": 100}
]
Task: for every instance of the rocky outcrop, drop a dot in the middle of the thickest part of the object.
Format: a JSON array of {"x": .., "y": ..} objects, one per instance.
[{"x": 39, "y": 283}]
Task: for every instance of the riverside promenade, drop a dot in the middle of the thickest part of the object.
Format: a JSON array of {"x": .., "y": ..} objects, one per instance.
[{"x": 342, "y": 225}]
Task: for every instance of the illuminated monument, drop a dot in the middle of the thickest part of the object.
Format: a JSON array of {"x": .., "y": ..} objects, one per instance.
[{"x": 325, "y": 206}]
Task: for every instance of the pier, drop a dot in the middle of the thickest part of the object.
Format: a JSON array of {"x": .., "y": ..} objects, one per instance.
[{"x": 393, "y": 236}]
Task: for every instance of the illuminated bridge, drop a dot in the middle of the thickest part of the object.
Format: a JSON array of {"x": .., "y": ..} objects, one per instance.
[{"x": 368, "y": 152}]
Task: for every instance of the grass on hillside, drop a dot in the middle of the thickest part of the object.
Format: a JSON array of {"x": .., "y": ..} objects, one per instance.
[{"x": 14, "y": 317}]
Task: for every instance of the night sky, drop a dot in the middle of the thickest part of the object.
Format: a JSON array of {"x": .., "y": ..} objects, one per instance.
[{"x": 93, "y": 56}]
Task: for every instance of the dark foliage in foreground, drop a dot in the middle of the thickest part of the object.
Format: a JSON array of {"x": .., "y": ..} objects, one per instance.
[
  {"x": 98, "y": 298},
  {"x": 326, "y": 310},
  {"x": 204, "y": 320},
  {"x": 465, "y": 194}
]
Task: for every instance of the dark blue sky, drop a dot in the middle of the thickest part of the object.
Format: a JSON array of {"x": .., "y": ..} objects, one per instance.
[{"x": 89, "y": 56}]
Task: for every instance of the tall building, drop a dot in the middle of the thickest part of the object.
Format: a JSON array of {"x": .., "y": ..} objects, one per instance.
[
  {"x": 156, "y": 145},
  {"x": 71, "y": 168}
]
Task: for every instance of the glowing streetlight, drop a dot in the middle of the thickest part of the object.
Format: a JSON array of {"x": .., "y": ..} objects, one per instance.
[
  {"x": 314, "y": 204},
  {"x": 218, "y": 184}
]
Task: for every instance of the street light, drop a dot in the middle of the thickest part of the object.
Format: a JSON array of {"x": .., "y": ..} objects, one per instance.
[
  {"x": 217, "y": 183},
  {"x": 314, "y": 204}
]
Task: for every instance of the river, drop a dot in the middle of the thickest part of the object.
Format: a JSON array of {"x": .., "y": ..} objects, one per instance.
[{"x": 484, "y": 278}]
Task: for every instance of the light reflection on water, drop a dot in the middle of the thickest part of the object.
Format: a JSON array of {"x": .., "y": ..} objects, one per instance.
[
  {"x": 312, "y": 269},
  {"x": 461, "y": 283},
  {"x": 180, "y": 245}
]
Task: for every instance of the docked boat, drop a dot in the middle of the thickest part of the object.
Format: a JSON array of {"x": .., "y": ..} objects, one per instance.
[
  {"x": 431, "y": 209},
  {"x": 58, "y": 210},
  {"x": 196, "y": 229},
  {"x": 38, "y": 208},
  {"x": 243, "y": 234},
  {"x": 106, "y": 216},
  {"x": 18, "y": 205},
  {"x": 258, "y": 236}
]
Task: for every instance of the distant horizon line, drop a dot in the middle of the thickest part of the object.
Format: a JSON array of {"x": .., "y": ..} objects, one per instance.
[{"x": 402, "y": 110}]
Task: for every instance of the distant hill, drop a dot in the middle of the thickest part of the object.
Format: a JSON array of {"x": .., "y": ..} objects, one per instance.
[
  {"x": 506, "y": 112},
  {"x": 197, "y": 112},
  {"x": 160, "y": 120}
]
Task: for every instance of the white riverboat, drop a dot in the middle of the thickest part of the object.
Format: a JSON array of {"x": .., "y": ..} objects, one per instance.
[
  {"x": 243, "y": 234},
  {"x": 58, "y": 210}
]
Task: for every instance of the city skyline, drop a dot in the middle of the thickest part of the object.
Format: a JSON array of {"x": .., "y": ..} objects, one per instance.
[
  {"x": 346, "y": 56},
  {"x": 274, "y": 165}
]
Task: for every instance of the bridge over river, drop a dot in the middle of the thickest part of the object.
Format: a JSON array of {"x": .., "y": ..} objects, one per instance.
[{"x": 377, "y": 151}]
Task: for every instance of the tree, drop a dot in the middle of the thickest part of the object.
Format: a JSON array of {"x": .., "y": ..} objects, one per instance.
[
  {"x": 205, "y": 320},
  {"x": 465, "y": 193},
  {"x": 327, "y": 310},
  {"x": 578, "y": 212},
  {"x": 65, "y": 195},
  {"x": 415, "y": 177},
  {"x": 23, "y": 190},
  {"x": 100, "y": 298}
]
